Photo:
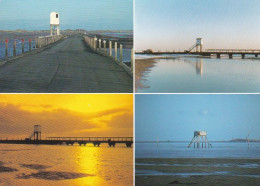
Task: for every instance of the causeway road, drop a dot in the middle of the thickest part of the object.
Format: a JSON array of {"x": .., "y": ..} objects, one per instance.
[{"x": 68, "y": 66}]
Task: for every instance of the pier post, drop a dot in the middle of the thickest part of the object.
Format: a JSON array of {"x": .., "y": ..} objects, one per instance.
[
  {"x": 22, "y": 46},
  {"x": 95, "y": 43},
  {"x": 6, "y": 48},
  {"x": 132, "y": 60},
  {"x": 121, "y": 53},
  {"x": 110, "y": 48},
  {"x": 105, "y": 46},
  {"x": 30, "y": 44},
  {"x": 14, "y": 48},
  {"x": 115, "y": 50},
  {"x": 218, "y": 56},
  {"x": 256, "y": 55},
  {"x": 243, "y": 56},
  {"x": 99, "y": 46},
  {"x": 230, "y": 56}
]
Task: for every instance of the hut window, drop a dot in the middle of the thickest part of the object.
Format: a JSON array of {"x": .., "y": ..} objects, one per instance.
[{"x": 57, "y": 15}]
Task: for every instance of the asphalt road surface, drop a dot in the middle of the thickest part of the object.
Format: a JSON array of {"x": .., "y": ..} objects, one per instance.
[{"x": 67, "y": 67}]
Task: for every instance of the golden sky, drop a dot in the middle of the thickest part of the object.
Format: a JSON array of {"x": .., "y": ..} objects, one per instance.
[{"x": 66, "y": 114}]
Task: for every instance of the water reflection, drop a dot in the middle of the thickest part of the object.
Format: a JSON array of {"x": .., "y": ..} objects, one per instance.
[
  {"x": 184, "y": 75},
  {"x": 199, "y": 66}
]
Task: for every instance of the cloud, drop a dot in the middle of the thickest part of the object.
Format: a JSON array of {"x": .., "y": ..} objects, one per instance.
[{"x": 15, "y": 121}]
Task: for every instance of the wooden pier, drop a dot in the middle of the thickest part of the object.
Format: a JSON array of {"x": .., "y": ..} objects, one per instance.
[{"x": 96, "y": 141}]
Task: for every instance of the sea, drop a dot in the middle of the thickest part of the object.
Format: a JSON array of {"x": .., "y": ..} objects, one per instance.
[
  {"x": 65, "y": 165},
  {"x": 181, "y": 150},
  {"x": 194, "y": 74}
]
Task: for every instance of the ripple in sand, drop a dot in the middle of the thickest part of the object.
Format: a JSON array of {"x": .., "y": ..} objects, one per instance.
[{"x": 53, "y": 175}]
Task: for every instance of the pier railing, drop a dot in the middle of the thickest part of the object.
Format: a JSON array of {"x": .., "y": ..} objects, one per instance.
[
  {"x": 91, "y": 139},
  {"x": 253, "y": 51},
  {"x": 12, "y": 48},
  {"x": 111, "y": 49},
  {"x": 47, "y": 40}
]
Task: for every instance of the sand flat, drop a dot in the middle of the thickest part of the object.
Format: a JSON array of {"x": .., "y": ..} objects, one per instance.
[{"x": 197, "y": 171}]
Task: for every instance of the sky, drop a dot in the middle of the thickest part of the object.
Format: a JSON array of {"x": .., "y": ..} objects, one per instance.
[
  {"x": 76, "y": 14},
  {"x": 104, "y": 115},
  {"x": 176, "y": 117},
  {"x": 175, "y": 24}
]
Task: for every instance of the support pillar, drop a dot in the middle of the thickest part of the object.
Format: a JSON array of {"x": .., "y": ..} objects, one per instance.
[
  {"x": 230, "y": 56},
  {"x": 218, "y": 56},
  {"x": 201, "y": 48},
  {"x": 256, "y": 55},
  {"x": 243, "y": 56},
  {"x": 51, "y": 30}
]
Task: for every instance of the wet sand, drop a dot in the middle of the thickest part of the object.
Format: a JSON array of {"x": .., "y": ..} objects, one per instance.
[
  {"x": 142, "y": 66},
  {"x": 194, "y": 171}
]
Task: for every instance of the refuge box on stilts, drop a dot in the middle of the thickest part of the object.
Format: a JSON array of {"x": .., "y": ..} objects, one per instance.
[{"x": 200, "y": 140}]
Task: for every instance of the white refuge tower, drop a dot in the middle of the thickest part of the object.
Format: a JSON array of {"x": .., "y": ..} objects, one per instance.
[
  {"x": 200, "y": 137},
  {"x": 54, "y": 23}
]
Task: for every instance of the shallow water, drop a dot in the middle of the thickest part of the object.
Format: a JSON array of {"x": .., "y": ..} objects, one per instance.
[
  {"x": 65, "y": 165},
  {"x": 187, "y": 174},
  {"x": 181, "y": 150},
  {"x": 186, "y": 74}
]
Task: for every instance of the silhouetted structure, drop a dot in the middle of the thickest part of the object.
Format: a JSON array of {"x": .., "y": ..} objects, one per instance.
[
  {"x": 35, "y": 138},
  {"x": 200, "y": 137}
]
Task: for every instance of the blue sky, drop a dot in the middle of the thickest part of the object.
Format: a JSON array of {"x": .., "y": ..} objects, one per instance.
[
  {"x": 175, "y": 24},
  {"x": 176, "y": 117},
  {"x": 84, "y": 14}
]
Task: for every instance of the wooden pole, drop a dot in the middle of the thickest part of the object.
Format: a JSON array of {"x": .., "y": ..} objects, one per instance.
[
  {"x": 30, "y": 44},
  {"x": 110, "y": 48},
  {"x": 6, "y": 48},
  {"x": 105, "y": 46},
  {"x": 121, "y": 53},
  {"x": 14, "y": 48},
  {"x": 99, "y": 46},
  {"x": 132, "y": 60},
  {"x": 22, "y": 46},
  {"x": 115, "y": 50}
]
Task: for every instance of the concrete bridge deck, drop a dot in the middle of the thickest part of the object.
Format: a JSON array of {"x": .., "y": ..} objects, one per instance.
[{"x": 68, "y": 66}]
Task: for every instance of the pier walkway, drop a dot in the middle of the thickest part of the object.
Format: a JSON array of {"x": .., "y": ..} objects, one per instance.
[
  {"x": 96, "y": 141},
  {"x": 68, "y": 66}
]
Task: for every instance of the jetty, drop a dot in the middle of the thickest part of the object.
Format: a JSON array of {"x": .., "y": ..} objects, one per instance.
[
  {"x": 35, "y": 139},
  {"x": 197, "y": 49}
]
